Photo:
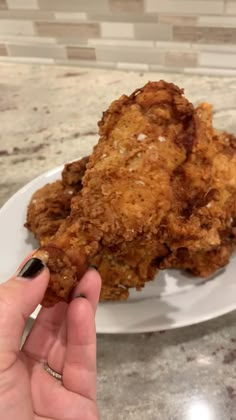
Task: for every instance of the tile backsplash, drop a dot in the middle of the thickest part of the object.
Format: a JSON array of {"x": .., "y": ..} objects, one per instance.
[{"x": 175, "y": 35}]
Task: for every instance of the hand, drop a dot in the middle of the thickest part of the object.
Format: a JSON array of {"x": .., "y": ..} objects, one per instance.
[{"x": 64, "y": 337}]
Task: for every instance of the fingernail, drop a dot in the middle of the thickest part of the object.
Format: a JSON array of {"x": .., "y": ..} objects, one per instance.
[
  {"x": 31, "y": 268},
  {"x": 93, "y": 266},
  {"x": 81, "y": 295}
]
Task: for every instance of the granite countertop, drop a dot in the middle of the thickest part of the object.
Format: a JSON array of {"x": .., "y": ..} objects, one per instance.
[{"x": 48, "y": 116}]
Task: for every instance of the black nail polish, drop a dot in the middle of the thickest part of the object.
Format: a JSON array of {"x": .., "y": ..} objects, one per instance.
[
  {"x": 81, "y": 295},
  {"x": 31, "y": 268}
]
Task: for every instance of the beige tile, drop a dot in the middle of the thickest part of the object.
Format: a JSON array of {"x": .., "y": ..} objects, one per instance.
[
  {"x": 158, "y": 31},
  {"x": 212, "y": 59},
  {"x": 205, "y": 35},
  {"x": 133, "y": 66},
  {"x": 191, "y": 7},
  {"x": 230, "y": 48},
  {"x": 3, "y": 50},
  {"x": 70, "y": 16},
  {"x": 49, "y": 51},
  {"x": 80, "y": 30},
  {"x": 74, "y": 5},
  {"x": 87, "y": 63},
  {"x": 134, "y": 6},
  {"x": 81, "y": 53},
  {"x": 129, "y": 55},
  {"x": 181, "y": 59},
  {"x": 16, "y": 27},
  {"x": 157, "y": 67},
  {"x": 73, "y": 41},
  {"x": 120, "y": 42},
  {"x": 117, "y": 30},
  {"x": 217, "y": 21},
  {"x": 178, "y": 20},
  {"x": 230, "y": 7},
  {"x": 22, "y": 4},
  {"x": 27, "y": 40},
  {"x": 122, "y": 17},
  {"x": 26, "y": 15},
  {"x": 3, "y": 4},
  {"x": 32, "y": 60},
  {"x": 172, "y": 45}
]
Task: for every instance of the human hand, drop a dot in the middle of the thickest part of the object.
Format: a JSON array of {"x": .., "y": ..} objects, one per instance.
[{"x": 62, "y": 337}]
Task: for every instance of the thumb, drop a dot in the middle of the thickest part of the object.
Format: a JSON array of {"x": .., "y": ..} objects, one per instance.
[{"x": 19, "y": 297}]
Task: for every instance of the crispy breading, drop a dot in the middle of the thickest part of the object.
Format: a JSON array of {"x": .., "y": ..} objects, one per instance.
[
  {"x": 217, "y": 217},
  {"x": 48, "y": 208},
  {"x": 52, "y": 201},
  {"x": 159, "y": 190},
  {"x": 127, "y": 190},
  {"x": 202, "y": 237},
  {"x": 50, "y": 205},
  {"x": 73, "y": 173}
]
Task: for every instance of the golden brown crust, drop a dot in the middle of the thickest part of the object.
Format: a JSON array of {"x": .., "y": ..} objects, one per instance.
[
  {"x": 73, "y": 173},
  {"x": 50, "y": 205},
  {"x": 200, "y": 263},
  {"x": 48, "y": 208},
  {"x": 159, "y": 190},
  {"x": 65, "y": 271},
  {"x": 202, "y": 239},
  {"x": 127, "y": 184}
]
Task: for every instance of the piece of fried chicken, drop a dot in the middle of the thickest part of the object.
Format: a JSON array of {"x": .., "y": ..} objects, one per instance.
[
  {"x": 44, "y": 222},
  {"x": 50, "y": 205},
  {"x": 127, "y": 192},
  {"x": 207, "y": 186},
  {"x": 145, "y": 193}
]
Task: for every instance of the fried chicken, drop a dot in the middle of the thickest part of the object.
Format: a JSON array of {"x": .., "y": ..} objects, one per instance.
[
  {"x": 203, "y": 236},
  {"x": 209, "y": 186},
  {"x": 126, "y": 188},
  {"x": 50, "y": 205},
  {"x": 158, "y": 191},
  {"x": 47, "y": 210}
]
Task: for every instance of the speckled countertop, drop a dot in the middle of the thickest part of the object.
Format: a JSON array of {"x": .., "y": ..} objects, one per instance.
[{"x": 48, "y": 116}]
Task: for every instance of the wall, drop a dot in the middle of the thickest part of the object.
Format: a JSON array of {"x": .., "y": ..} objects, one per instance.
[{"x": 184, "y": 35}]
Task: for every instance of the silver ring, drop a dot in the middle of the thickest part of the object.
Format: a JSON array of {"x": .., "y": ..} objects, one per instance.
[{"x": 52, "y": 372}]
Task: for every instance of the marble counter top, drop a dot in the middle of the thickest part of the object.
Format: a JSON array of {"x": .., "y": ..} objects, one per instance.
[{"x": 48, "y": 116}]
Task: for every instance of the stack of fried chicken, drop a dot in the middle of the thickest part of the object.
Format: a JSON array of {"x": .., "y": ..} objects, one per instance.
[{"x": 158, "y": 191}]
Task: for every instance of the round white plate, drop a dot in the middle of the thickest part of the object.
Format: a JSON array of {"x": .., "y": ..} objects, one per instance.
[{"x": 172, "y": 300}]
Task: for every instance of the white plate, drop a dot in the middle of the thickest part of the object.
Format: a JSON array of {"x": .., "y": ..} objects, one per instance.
[{"x": 173, "y": 300}]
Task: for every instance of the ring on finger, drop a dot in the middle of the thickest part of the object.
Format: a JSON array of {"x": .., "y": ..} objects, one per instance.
[{"x": 52, "y": 372}]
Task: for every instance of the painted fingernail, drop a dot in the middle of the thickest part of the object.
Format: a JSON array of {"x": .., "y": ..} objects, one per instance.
[
  {"x": 32, "y": 268},
  {"x": 81, "y": 295}
]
